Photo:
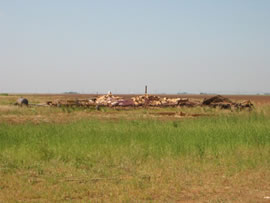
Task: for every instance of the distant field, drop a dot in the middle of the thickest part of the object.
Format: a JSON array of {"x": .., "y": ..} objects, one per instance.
[{"x": 168, "y": 155}]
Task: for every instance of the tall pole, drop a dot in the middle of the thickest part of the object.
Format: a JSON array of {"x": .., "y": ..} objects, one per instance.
[{"x": 145, "y": 90}]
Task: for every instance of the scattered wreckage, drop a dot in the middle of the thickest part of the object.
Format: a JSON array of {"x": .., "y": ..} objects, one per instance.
[{"x": 151, "y": 101}]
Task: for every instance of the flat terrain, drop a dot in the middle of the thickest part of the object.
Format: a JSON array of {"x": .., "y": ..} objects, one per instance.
[
  {"x": 260, "y": 99},
  {"x": 50, "y": 154}
]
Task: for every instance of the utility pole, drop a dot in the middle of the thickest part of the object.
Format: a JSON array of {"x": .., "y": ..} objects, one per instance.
[{"x": 145, "y": 90}]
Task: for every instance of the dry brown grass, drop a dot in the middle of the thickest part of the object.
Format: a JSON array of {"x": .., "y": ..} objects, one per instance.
[{"x": 166, "y": 181}]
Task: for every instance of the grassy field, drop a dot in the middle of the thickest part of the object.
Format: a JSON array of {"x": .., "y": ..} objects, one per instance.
[{"x": 54, "y": 154}]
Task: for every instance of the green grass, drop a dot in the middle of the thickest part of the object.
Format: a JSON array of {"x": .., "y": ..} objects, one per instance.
[{"x": 242, "y": 139}]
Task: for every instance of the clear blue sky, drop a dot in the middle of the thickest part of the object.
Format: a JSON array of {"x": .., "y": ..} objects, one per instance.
[{"x": 120, "y": 45}]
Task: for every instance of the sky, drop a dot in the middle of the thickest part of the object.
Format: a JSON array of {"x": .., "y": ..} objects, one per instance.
[{"x": 172, "y": 46}]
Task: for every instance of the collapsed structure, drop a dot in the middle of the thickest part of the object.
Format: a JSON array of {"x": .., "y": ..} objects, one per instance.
[
  {"x": 225, "y": 103},
  {"x": 151, "y": 101}
]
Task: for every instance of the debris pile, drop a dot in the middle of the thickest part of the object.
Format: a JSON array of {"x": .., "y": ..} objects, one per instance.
[
  {"x": 22, "y": 101},
  {"x": 72, "y": 103},
  {"x": 188, "y": 103},
  {"x": 146, "y": 100},
  {"x": 218, "y": 101},
  {"x": 225, "y": 103},
  {"x": 113, "y": 101},
  {"x": 150, "y": 100},
  {"x": 246, "y": 104},
  {"x": 108, "y": 100}
]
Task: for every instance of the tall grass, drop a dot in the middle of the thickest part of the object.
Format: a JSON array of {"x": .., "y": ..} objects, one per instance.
[{"x": 244, "y": 140}]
